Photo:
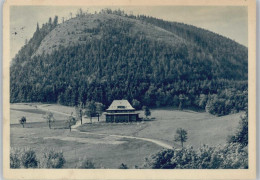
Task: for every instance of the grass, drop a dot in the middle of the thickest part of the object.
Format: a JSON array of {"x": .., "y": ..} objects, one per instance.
[
  {"x": 103, "y": 154},
  {"x": 202, "y": 128},
  {"x": 110, "y": 152},
  {"x": 36, "y": 111},
  {"x": 32, "y": 112}
]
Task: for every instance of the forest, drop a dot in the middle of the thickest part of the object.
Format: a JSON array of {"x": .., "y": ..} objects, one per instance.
[{"x": 205, "y": 72}]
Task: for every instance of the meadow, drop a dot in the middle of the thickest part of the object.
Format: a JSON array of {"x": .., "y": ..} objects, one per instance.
[{"x": 202, "y": 128}]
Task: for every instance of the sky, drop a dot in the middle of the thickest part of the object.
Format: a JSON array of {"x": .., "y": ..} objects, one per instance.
[{"x": 229, "y": 21}]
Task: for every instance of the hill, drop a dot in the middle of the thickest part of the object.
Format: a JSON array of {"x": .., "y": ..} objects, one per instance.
[{"x": 112, "y": 55}]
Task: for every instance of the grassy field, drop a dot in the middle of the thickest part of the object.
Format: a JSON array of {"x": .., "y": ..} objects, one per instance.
[
  {"x": 32, "y": 112},
  {"x": 105, "y": 152},
  {"x": 202, "y": 129}
]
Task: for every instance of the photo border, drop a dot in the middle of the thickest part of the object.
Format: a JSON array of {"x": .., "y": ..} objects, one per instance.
[{"x": 132, "y": 173}]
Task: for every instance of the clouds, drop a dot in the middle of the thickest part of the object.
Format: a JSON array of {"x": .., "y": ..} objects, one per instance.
[{"x": 228, "y": 21}]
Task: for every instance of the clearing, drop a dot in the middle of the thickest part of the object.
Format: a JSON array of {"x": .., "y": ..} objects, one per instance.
[{"x": 130, "y": 143}]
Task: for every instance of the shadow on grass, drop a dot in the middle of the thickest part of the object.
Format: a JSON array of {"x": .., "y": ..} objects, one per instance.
[{"x": 149, "y": 119}]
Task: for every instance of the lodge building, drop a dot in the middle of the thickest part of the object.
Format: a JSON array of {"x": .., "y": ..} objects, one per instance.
[{"x": 121, "y": 111}]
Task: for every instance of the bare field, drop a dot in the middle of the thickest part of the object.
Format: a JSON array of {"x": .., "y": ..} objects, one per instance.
[{"x": 110, "y": 151}]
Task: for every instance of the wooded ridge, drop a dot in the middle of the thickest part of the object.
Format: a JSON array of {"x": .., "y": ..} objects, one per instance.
[{"x": 111, "y": 55}]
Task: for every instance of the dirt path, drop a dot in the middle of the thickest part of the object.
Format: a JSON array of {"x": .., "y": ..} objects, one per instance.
[
  {"x": 74, "y": 128},
  {"x": 159, "y": 143}
]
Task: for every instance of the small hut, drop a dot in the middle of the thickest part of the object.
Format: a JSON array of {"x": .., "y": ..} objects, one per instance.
[{"x": 121, "y": 111}]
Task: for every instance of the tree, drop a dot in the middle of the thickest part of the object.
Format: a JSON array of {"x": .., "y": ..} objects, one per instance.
[
  {"x": 136, "y": 104},
  {"x": 71, "y": 121},
  {"x": 79, "y": 13},
  {"x": 181, "y": 99},
  {"x": 79, "y": 112},
  {"x": 90, "y": 109},
  {"x": 37, "y": 28},
  {"x": 22, "y": 121},
  {"x": 147, "y": 111},
  {"x": 181, "y": 136},
  {"x": 49, "y": 118},
  {"x": 203, "y": 100},
  {"x": 99, "y": 108},
  {"x": 55, "y": 21},
  {"x": 50, "y": 21}
]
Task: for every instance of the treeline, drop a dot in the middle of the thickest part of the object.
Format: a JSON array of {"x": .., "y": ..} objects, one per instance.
[
  {"x": 218, "y": 48},
  {"x": 123, "y": 65}
]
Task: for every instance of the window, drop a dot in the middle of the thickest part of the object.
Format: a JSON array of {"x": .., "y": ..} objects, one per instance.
[{"x": 121, "y": 107}]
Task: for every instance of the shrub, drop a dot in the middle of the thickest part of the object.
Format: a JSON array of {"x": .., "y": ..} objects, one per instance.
[
  {"x": 29, "y": 159},
  {"x": 15, "y": 159},
  {"x": 241, "y": 136},
  {"x": 231, "y": 156},
  {"x": 52, "y": 159},
  {"x": 160, "y": 160},
  {"x": 235, "y": 156},
  {"x": 26, "y": 158},
  {"x": 86, "y": 164},
  {"x": 185, "y": 158},
  {"x": 207, "y": 158},
  {"x": 123, "y": 166}
]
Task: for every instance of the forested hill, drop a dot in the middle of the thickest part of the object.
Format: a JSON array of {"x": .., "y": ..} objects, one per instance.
[{"x": 111, "y": 55}]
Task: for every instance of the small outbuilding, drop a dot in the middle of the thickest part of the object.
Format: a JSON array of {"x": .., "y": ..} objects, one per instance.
[{"x": 121, "y": 111}]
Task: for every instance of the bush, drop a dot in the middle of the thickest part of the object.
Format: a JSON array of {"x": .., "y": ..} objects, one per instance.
[
  {"x": 231, "y": 156},
  {"x": 29, "y": 159},
  {"x": 86, "y": 164},
  {"x": 236, "y": 156},
  {"x": 52, "y": 159},
  {"x": 241, "y": 136},
  {"x": 15, "y": 159},
  {"x": 161, "y": 160},
  {"x": 123, "y": 166}
]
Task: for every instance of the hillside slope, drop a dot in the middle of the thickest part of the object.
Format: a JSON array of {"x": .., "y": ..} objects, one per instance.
[
  {"x": 80, "y": 30},
  {"x": 109, "y": 56}
]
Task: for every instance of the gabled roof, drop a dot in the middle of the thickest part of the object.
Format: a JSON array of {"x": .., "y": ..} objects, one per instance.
[{"x": 120, "y": 105}]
